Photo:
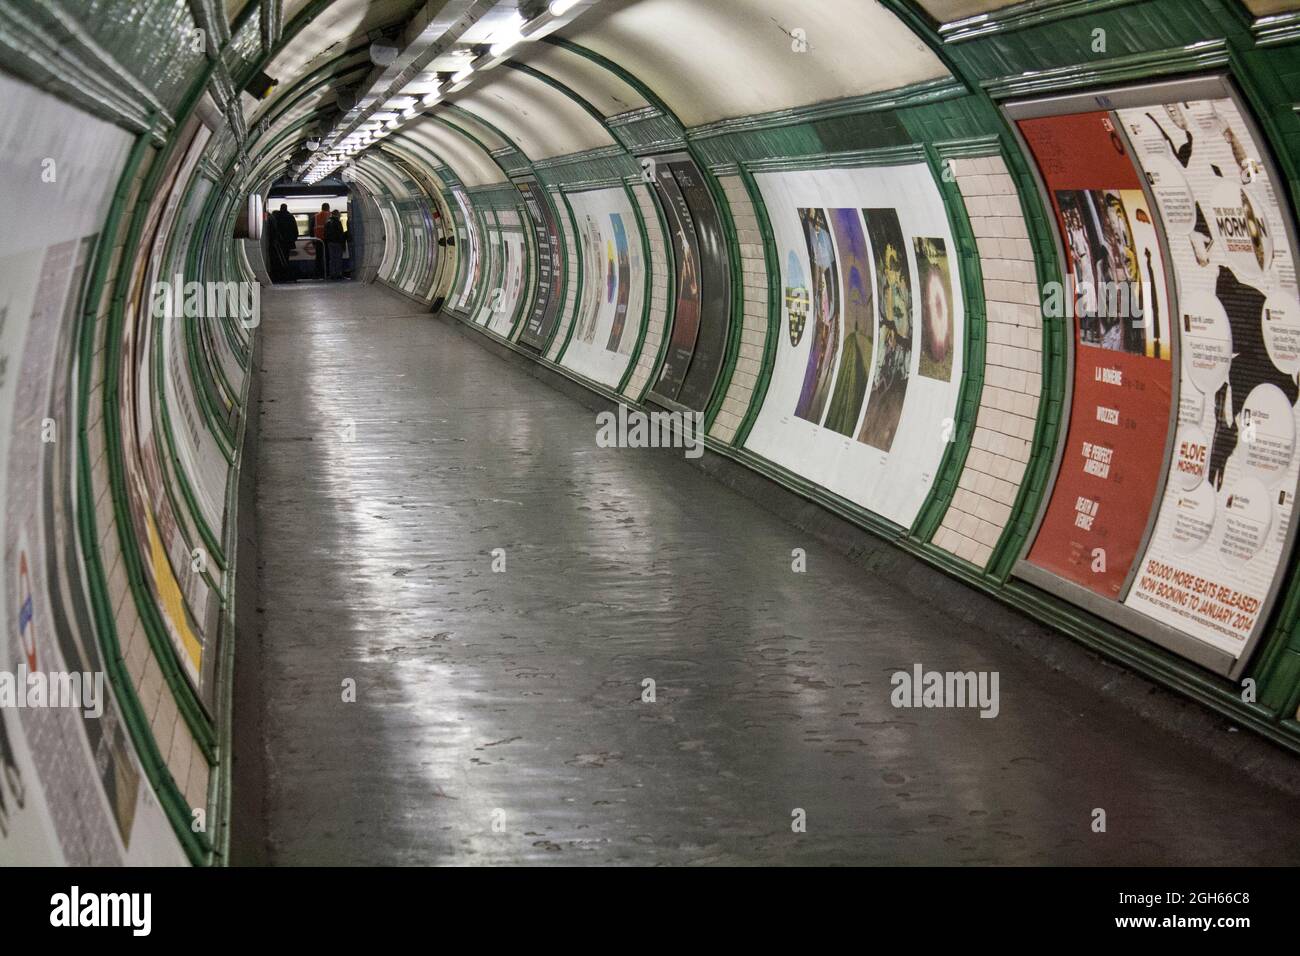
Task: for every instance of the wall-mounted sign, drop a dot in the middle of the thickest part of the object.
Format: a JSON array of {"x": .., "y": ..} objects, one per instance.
[
  {"x": 1174, "y": 489},
  {"x": 702, "y": 317},
  {"x": 545, "y": 313}
]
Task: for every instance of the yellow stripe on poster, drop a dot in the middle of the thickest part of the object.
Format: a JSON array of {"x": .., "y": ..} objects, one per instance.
[{"x": 173, "y": 601}]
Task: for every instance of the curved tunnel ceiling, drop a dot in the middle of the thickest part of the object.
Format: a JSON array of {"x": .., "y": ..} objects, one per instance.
[{"x": 551, "y": 96}]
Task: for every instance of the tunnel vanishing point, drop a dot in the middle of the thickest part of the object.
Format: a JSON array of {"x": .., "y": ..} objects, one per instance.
[{"x": 649, "y": 432}]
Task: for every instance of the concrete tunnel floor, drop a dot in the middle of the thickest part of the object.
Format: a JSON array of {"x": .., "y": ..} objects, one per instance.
[{"x": 499, "y": 716}]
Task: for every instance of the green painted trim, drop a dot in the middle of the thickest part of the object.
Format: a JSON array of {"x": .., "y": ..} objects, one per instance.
[
  {"x": 175, "y": 807},
  {"x": 187, "y": 701},
  {"x": 917, "y": 94},
  {"x": 1022, "y": 16},
  {"x": 774, "y": 294},
  {"x": 1278, "y": 29},
  {"x": 561, "y": 87},
  {"x": 647, "y": 94},
  {"x": 883, "y": 156},
  {"x": 581, "y": 281},
  {"x": 1204, "y": 55},
  {"x": 735, "y": 301},
  {"x": 971, "y": 388}
]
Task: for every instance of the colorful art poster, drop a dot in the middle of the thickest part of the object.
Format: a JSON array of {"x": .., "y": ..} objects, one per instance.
[
  {"x": 893, "y": 358},
  {"x": 825, "y": 330},
  {"x": 610, "y": 313},
  {"x": 1221, "y": 535},
  {"x": 545, "y": 314},
  {"x": 618, "y": 285},
  {"x": 935, "y": 283},
  {"x": 859, "y": 317},
  {"x": 846, "y": 369},
  {"x": 1109, "y": 476}
]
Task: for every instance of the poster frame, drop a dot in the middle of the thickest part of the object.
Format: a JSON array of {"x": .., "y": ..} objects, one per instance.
[{"x": 1218, "y": 85}]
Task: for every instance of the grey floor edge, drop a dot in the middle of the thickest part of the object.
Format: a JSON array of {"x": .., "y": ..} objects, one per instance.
[{"x": 502, "y": 717}]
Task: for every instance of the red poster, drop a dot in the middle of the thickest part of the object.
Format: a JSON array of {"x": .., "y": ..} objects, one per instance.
[{"x": 1109, "y": 475}]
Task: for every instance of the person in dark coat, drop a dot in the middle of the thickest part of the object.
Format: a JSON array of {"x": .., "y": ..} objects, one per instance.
[
  {"x": 335, "y": 238},
  {"x": 286, "y": 235}
]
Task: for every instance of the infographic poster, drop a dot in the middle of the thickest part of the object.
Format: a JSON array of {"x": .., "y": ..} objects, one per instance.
[
  {"x": 851, "y": 404},
  {"x": 611, "y": 311},
  {"x": 702, "y": 319},
  {"x": 545, "y": 314},
  {"x": 1221, "y": 534},
  {"x": 1109, "y": 475}
]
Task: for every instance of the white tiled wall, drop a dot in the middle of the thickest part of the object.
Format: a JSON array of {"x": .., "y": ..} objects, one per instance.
[
  {"x": 1004, "y": 429},
  {"x": 753, "y": 336}
]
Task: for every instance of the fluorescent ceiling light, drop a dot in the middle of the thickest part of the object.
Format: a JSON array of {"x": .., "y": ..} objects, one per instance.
[
  {"x": 464, "y": 74},
  {"x": 559, "y": 8},
  {"x": 511, "y": 36}
]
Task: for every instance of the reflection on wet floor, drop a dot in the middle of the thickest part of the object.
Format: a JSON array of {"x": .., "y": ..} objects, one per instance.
[{"x": 505, "y": 716}]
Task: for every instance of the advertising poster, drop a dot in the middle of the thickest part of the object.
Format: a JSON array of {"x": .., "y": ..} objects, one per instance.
[
  {"x": 611, "y": 310},
  {"x": 494, "y": 283},
  {"x": 71, "y": 788},
  {"x": 847, "y": 407},
  {"x": 825, "y": 330},
  {"x": 935, "y": 283},
  {"x": 545, "y": 314},
  {"x": 715, "y": 287},
  {"x": 893, "y": 357},
  {"x": 859, "y": 316},
  {"x": 469, "y": 249},
  {"x": 686, "y": 254},
  {"x": 618, "y": 284},
  {"x": 1221, "y": 533},
  {"x": 188, "y": 602},
  {"x": 1109, "y": 476},
  {"x": 591, "y": 260},
  {"x": 513, "y": 252}
]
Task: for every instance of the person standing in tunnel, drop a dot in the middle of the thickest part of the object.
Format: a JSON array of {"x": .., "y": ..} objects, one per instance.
[
  {"x": 335, "y": 238},
  {"x": 322, "y": 218},
  {"x": 285, "y": 236}
]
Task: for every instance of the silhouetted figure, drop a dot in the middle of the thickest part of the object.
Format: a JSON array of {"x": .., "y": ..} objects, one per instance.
[
  {"x": 322, "y": 218},
  {"x": 284, "y": 237},
  {"x": 335, "y": 238}
]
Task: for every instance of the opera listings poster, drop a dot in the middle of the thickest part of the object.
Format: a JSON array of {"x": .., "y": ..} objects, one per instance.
[
  {"x": 1221, "y": 534},
  {"x": 1109, "y": 476}
]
